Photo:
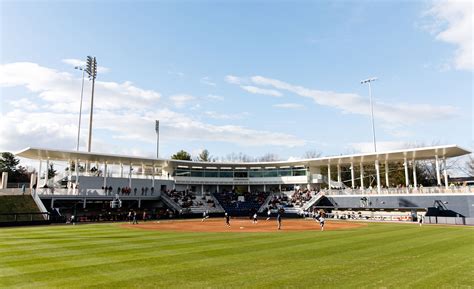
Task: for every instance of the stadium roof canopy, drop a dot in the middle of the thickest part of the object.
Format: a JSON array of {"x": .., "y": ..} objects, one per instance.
[{"x": 423, "y": 153}]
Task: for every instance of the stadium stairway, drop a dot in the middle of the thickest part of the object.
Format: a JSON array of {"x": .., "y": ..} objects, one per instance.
[
  {"x": 169, "y": 202},
  {"x": 264, "y": 206}
]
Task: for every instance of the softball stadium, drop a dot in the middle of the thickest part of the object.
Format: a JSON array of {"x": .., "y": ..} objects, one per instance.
[{"x": 332, "y": 222}]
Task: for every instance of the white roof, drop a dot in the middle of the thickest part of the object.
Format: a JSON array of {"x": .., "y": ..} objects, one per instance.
[{"x": 423, "y": 153}]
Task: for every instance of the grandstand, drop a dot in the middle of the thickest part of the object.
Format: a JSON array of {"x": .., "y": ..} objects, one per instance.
[{"x": 192, "y": 187}]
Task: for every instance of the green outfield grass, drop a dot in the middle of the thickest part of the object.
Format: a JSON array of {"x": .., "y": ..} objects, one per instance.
[{"x": 109, "y": 256}]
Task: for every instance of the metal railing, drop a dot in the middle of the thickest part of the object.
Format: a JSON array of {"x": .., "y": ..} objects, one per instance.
[{"x": 403, "y": 191}]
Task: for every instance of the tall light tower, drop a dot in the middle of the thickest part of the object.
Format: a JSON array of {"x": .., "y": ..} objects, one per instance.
[
  {"x": 91, "y": 69},
  {"x": 80, "y": 105},
  {"x": 157, "y": 129},
  {"x": 368, "y": 81}
]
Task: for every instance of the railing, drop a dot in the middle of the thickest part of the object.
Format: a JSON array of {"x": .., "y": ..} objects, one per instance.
[
  {"x": 313, "y": 200},
  {"x": 403, "y": 191},
  {"x": 23, "y": 217},
  {"x": 39, "y": 204},
  {"x": 170, "y": 202},
  {"x": 87, "y": 193}
]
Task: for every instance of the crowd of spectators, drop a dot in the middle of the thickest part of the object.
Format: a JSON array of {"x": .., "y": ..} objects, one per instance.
[
  {"x": 290, "y": 199},
  {"x": 248, "y": 201},
  {"x": 127, "y": 191},
  {"x": 187, "y": 199}
]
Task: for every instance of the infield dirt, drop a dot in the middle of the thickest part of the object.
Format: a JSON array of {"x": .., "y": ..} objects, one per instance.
[{"x": 242, "y": 225}]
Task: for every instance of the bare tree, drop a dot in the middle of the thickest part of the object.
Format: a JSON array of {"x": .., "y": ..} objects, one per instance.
[
  {"x": 312, "y": 154},
  {"x": 204, "y": 156},
  {"x": 238, "y": 157},
  {"x": 268, "y": 157},
  {"x": 470, "y": 166}
]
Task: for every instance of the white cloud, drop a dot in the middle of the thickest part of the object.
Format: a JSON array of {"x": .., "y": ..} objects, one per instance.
[
  {"x": 82, "y": 63},
  {"x": 216, "y": 115},
  {"x": 215, "y": 97},
  {"x": 63, "y": 88},
  {"x": 453, "y": 23},
  {"x": 383, "y": 146},
  {"x": 257, "y": 90},
  {"x": 180, "y": 100},
  {"x": 207, "y": 81},
  {"x": 289, "y": 105},
  {"x": 122, "y": 113},
  {"x": 177, "y": 73},
  {"x": 233, "y": 79},
  {"x": 394, "y": 114},
  {"x": 24, "y": 104}
]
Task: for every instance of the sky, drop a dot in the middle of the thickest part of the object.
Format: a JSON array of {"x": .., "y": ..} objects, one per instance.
[{"x": 256, "y": 77}]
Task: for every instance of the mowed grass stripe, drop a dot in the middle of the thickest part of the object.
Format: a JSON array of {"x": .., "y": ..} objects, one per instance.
[
  {"x": 189, "y": 258},
  {"x": 232, "y": 260}
]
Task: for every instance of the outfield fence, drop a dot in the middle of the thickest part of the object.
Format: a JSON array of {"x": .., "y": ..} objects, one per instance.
[{"x": 449, "y": 220}]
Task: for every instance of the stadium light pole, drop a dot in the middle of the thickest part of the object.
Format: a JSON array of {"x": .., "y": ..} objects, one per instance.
[
  {"x": 80, "y": 106},
  {"x": 368, "y": 81},
  {"x": 91, "y": 69},
  {"x": 157, "y": 130}
]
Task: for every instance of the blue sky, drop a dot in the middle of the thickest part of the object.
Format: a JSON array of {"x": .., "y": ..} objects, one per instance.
[{"x": 237, "y": 76}]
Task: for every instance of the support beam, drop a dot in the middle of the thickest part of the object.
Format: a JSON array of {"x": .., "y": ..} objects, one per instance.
[
  {"x": 339, "y": 178},
  {"x": 202, "y": 189},
  {"x": 415, "y": 181},
  {"x": 105, "y": 176},
  {"x": 46, "y": 175},
  {"x": 407, "y": 180},
  {"x": 445, "y": 172},
  {"x": 264, "y": 187},
  {"x": 39, "y": 173},
  {"x": 352, "y": 175},
  {"x": 153, "y": 176},
  {"x": 438, "y": 177},
  {"x": 139, "y": 203},
  {"x": 84, "y": 204},
  {"x": 386, "y": 175},
  {"x": 130, "y": 176},
  {"x": 377, "y": 171},
  {"x": 121, "y": 170},
  {"x": 52, "y": 203},
  {"x": 329, "y": 177},
  {"x": 77, "y": 172},
  {"x": 361, "y": 176}
]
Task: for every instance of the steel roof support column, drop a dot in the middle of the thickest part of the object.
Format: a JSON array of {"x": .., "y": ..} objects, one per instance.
[
  {"x": 445, "y": 172},
  {"x": 438, "y": 177},
  {"x": 352, "y": 175},
  {"x": 415, "y": 181},
  {"x": 407, "y": 180},
  {"x": 377, "y": 170},
  {"x": 329, "y": 177}
]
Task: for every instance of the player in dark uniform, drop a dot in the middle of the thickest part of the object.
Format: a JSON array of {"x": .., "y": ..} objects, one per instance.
[
  {"x": 227, "y": 220},
  {"x": 279, "y": 219}
]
